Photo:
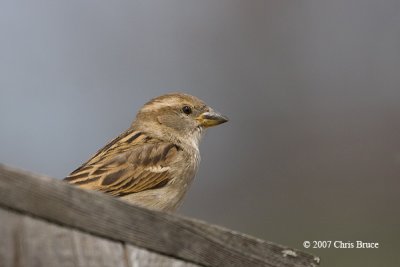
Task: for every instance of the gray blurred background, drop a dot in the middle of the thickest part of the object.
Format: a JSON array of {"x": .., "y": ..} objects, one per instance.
[{"x": 312, "y": 151}]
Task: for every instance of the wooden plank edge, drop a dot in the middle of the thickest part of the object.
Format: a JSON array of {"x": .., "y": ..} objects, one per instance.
[{"x": 176, "y": 236}]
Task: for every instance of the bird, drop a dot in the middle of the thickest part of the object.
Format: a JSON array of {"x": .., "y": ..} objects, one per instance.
[{"x": 154, "y": 161}]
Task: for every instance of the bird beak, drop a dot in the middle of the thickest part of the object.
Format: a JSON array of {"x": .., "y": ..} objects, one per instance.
[{"x": 211, "y": 118}]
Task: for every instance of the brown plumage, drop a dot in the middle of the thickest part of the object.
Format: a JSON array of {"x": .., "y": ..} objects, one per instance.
[{"x": 153, "y": 162}]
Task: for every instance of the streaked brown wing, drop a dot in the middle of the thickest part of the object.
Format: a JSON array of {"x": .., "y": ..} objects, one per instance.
[{"x": 131, "y": 163}]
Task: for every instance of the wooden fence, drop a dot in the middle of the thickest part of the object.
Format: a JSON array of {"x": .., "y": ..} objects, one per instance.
[{"x": 46, "y": 222}]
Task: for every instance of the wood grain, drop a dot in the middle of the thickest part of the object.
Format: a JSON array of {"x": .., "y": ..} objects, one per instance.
[
  {"x": 163, "y": 233},
  {"x": 145, "y": 258},
  {"x": 27, "y": 241}
]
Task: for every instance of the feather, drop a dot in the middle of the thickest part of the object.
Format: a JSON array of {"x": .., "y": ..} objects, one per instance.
[{"x": 131, "y": 163}]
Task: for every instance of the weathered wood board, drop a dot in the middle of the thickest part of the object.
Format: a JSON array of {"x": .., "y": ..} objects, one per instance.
[
  {"x": 44, "y": 221},
  {"x": 27, "y": 241}
]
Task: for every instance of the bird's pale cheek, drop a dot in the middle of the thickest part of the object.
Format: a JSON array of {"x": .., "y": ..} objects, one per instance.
[
  {"x": 167, "y": 120},
  {"x": 174, "y": 122}
]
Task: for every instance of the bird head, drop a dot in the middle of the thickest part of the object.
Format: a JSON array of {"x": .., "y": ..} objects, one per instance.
[{"x": 178, "y": 115}]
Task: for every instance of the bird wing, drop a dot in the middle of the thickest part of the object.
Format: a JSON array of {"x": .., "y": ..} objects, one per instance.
[{"x": 130, "y": 163}]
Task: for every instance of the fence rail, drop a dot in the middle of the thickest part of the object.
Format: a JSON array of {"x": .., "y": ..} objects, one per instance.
[{"x": 46, "y": 222}]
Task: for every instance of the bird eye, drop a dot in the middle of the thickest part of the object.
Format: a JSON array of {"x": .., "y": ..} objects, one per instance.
[{"x": 187, "y": 110}]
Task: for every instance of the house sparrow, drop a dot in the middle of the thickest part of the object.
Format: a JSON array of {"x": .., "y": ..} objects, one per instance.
[{"x": 153, "y": 162}]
